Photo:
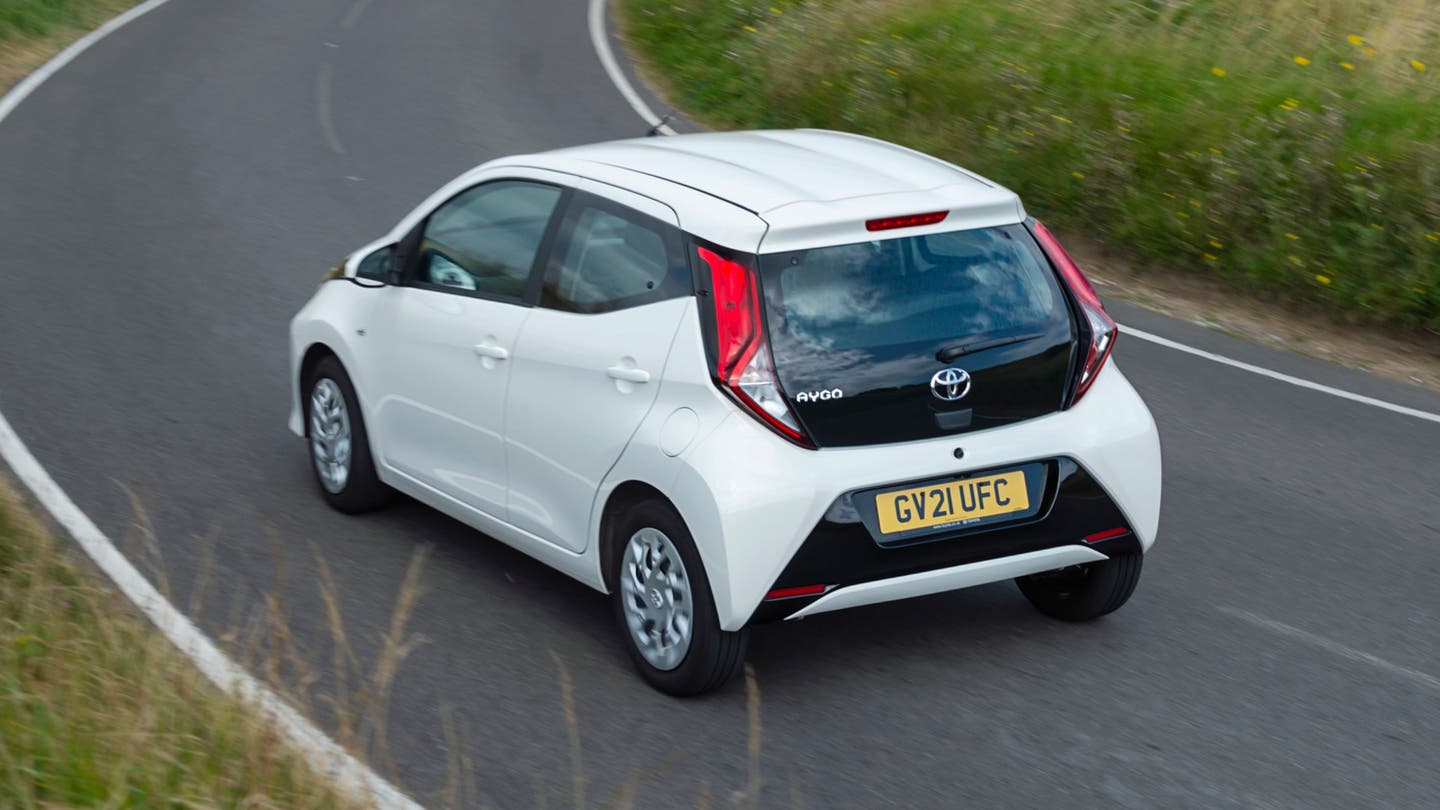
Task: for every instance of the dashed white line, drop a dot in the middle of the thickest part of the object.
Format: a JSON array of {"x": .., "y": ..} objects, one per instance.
[
  {"x": 601, "y": 41},
  {"x": 323, "y": 111},
  {"x": 1285, "y": 378},
  {"x": 1415, "y": 676},
  {"x": 350, "y": 776}
]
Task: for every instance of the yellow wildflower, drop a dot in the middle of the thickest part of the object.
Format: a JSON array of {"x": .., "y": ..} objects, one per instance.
[
  {"x": 775, "y": 10},
  {"x": 1077, "y": 175},
  {"x": 1377, "y": 226},
  {"x": 1210, "y": 256},
  {"x": 1322, "y": 279},
  {"x": 1216, "y": 151},
  {"x": 1347, "y": 66},
  {"x": 1296, "y": 260},
  {"x": 1291, "y": 236},
  {"x": 1218, "y": 71},
  {"x": 1182, "y": 215},
  {"x": 1301, "y": 61},
  {"x": 1368, "y": 51},
  {"x": 1356, "y": 40},
  {"x": 1217, "y": 244},
  {"x": 750, "y": 28},
  {"x": 892, "y": 71},
  {"x": 1417, "y": 64},
  {"x": 1062, "y": 119},
  {"x": 1124, "y": 128}
]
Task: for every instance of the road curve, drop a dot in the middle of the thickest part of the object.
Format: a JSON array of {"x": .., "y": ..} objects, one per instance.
[{"x": 170, "y": 199}]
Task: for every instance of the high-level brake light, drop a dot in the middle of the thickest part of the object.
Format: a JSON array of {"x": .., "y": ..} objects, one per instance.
[
  {"x": 1100, "y": 327},
  {"x": 743, "y": 365},
  {"x": 907, "y": 221}
]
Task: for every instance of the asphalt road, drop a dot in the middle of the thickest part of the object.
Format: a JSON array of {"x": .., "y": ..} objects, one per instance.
[{"x": 169, "y": 200}]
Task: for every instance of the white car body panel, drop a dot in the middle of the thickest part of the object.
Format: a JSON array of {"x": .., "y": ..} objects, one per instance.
[
  {"x": 437, "y": 370},
  {"x": 580, "y": 386}
]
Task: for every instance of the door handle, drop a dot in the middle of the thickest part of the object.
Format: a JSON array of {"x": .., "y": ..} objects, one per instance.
[
  {"x": 495, "y": 352},
  {"x": 634, "y": 375}
]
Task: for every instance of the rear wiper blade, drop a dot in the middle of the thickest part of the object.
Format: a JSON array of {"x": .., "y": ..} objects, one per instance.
[{"x": 950, "y": 353}]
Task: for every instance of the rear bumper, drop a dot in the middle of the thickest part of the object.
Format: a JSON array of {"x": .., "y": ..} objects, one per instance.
[{"x": 855, "y": 569}]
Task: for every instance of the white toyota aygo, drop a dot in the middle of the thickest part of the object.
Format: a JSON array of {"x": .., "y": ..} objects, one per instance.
[{"x": 734, "y": 378}]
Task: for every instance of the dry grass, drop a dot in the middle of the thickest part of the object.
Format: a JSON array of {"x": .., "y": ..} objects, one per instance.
[{"x": 99, "y": 710}]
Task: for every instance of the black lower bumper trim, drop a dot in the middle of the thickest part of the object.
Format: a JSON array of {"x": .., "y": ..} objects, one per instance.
[{"x": 842, "y": 554}]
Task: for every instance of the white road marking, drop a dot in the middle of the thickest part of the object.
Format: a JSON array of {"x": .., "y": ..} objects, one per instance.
[
  {"x": 350, "y": 776},
  {"x": 1415, "y": 676},
  {"x": 617, "y": 77},
  {"x": 1285, "y": 378},
  {"x": 323, "y": 112},
  {"x": 601, "y": 42},
  {"x": 353, "y": 15}
]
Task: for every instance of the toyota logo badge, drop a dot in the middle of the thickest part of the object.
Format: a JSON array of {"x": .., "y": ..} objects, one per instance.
[{"x": 950, "y": 384}]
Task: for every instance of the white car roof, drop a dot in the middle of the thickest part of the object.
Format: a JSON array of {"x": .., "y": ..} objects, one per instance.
[{"x": 809, "y": 186}]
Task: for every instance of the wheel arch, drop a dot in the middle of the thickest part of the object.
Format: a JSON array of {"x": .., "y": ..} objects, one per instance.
[{"x": 625, "y": 495}]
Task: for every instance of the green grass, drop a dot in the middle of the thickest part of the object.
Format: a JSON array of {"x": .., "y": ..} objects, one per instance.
[
  {"x": 1289, "y": 146},
  {"x": 21, "y": 19},
  {"x": 98, "y": 710}
]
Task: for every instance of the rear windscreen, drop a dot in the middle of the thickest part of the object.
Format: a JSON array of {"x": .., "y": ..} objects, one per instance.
[{"x": 932, "y": 289}]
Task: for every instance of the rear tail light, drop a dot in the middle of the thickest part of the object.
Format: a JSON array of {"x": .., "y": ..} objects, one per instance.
[
  {"x": 1100, "y": 329},
  {"x": 743, "y": 366}
]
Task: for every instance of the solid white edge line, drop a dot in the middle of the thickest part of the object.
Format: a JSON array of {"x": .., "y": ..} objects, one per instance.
[
  {"x": 601, "y": 42},
  {"x": 1275, "y": 375},
  {"x": 1413, "y": 675},
  {"x": 350, "y": 776}
]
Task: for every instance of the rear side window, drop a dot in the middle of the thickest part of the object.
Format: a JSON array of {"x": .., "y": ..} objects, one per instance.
[
  {"x": 932, "y": 289},
  {"x": 484, "y": 239},
  {"x": 612, "y": 257}
]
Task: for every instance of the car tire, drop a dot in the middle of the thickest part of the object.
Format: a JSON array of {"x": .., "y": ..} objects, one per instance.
[
  {"x": 1083, "y": 592},
  {"x": 650, "y": 540},
  {"x": 339, "y": 445}
]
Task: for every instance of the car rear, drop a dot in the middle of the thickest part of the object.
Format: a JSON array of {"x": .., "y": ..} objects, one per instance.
[{"x": 940, "y": 412}]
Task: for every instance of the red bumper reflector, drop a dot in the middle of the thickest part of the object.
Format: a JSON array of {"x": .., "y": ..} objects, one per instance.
[
  {"x": 803, "y": 590},
  {"x": 1106, "y": 535},
  {"x": 907, "y": 221}
]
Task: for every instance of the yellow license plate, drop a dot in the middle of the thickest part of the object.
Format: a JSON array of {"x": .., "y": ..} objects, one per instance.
[{"x": 954, "y": 502}]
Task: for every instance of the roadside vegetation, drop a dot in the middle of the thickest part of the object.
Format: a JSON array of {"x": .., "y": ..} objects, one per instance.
[
  {"x": 1291, "y": 147},
  {"x": 32, "y": 31},
  {"x": 98, "y": 710}
]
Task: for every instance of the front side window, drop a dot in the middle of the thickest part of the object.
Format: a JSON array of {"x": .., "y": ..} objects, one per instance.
[
  {"x": 614, "y": 258},
  {"x": 484, "y": 240}
]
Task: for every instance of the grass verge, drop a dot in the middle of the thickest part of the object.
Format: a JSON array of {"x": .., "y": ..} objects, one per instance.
[
  {"x": 1291, "y": 147},
  {"x": 97, "y": 709},
  {"x": 32, "y": 31}
]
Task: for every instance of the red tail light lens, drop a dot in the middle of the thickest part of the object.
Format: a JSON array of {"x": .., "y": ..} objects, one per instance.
[
  {"x": 1101, "y": 328},
  {"x": 743, "y": 365}
]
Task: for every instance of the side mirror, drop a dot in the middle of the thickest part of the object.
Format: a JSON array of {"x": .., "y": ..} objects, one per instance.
[{"x": 380, "y": 266}]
